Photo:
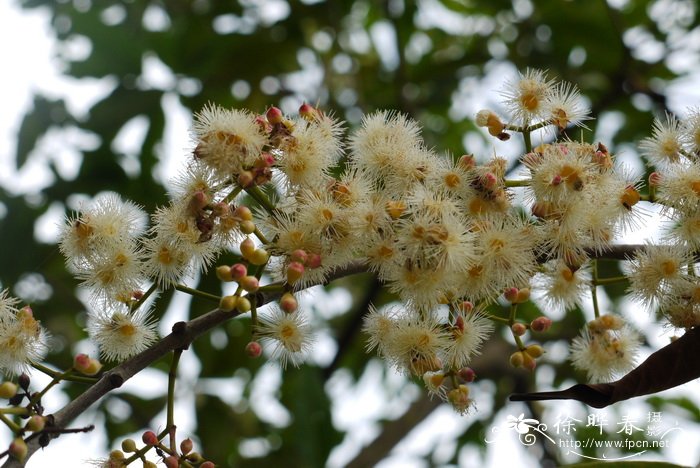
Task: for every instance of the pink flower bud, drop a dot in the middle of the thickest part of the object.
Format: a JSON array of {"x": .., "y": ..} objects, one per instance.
[
  {"x": 243, "y": 213},
  {"x": 313, "y": 260},
  {"x": 150, "y": 438},
  {"x": 253, "y": 349},
  {"x": 654, "y": 179},
  {"x": 186, "y": 446},
  {"x": 541, "y": 324},
  {"x": 511, "y": 294},
  {"x": 467, "y": 374},
  {"x": 223, "y": 272},
  {"x": 274, "y": 115},
  {"x": 307, "y": 111},
  {"x": 238, "y": 271},
  {"x": 518, "y": 329},
  {"x": 288, "y": 303},
  {"x": 299, "y": 255}
]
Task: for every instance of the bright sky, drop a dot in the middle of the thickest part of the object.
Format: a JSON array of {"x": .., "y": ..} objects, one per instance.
[{"x": 28, "y": 52}]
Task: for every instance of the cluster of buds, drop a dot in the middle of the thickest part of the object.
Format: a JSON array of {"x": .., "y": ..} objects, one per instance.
[
  {"x": 299, "y": 261},
  {"x": 526, "y": 357},
  {"x": 171, "y": 458}
]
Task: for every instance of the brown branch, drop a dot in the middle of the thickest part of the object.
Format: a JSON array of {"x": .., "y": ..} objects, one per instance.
[{"x": 669, "y": 367}]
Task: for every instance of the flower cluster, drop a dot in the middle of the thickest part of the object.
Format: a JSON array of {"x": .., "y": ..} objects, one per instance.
[
  {"x": 22, "y": 338},
  {"x": 441, "y": 232}
]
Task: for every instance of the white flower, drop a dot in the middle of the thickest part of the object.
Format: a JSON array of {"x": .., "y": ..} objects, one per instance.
[
  {"x": 289, "y": 335},
  {"x": 665, "y": 146},
  {"x": 468, "y": 334},
  {"x": 121, "y": 334},
  {"x": 605, "y": 354},
  {"x": 22, "y": 339}
]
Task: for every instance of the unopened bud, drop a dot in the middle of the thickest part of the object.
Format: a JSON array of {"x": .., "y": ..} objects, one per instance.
[
  {"x": 23, "y": 380},
  {"x": 247, "y": 227},
  {"x": 247, "y": 247},
  {"x": 86, "y": 365},
  {"x": 295, "y": 271},
  {"x": 517, "y": 359},
  {"x": 207, "y": 464},
  {"x": 274, "y": 115},
  {"x": 228, "y": 303},
  {"x": 253, "y": 349},
  {"x": 18, "y": 449},
  {"x": 259, "y": 257},
  {"x": 243, "y": 213},
  {"x": 511, "y": 295},
  {"x": 529, "y": 362},
  {"x": 308, "y": 112},
  {"x": 238, "y": 271},
  {"x": 299, "y": 255},
  {"x": 129, "y": 445},
  {"x": 523, "y": 295},
  {"x": 171, "y": 461},
  {"x": 243, "y": 305},
  {"x": 249, "y": 283},
  {"x": 246, "y": 178},
  {"x": 541, "y": 324},
  {"x": 534, "y": 350},
  {"x": 150, "y": 438},
  {"x": 467, "y": 162},
  {"x": 223, "y": 272},
  {"x": 313, "y": 260},
  {"x": 519, "y": 329},
  {"x": 288, "y": 303},
  {"x": 35, "y": 424},
  {"x": 8, "y": 390},
  {"x": 467, "y": 374},
  {"x": 186, "y": 446}
]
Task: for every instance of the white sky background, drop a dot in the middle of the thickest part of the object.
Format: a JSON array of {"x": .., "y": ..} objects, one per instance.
[{"x": 27, "y": 52}]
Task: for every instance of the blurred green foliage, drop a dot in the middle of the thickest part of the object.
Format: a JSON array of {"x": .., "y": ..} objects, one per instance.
[{"x": 351, "y": 57}]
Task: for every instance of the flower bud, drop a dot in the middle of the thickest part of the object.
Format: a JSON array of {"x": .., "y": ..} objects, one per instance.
[
  {"x": 228, "y": 303},
  {"x": 223, "y": 272},
  {"x": 186, "y": 446},
  {"x": 517, "y": 359},
  {"x": 243, "y": 213},
  {"x": 243, "y": 305},
  {"x": 523, "y": 295},
  {"x": 313, "y": 261},
  {"x": 259, "y": 256},
  {"x": 246, "y": 178},
  {"x": 23, "y": 380},
  {"x": 654, "y": 179},
  {"x": 35, "y": 424},
  {"x": 150, "y": 464},
  {"x": 529, "y": 362},
  {"x": 288, "y": 303},
  {"x": 249, "y": 283},
  {"x": 247, "y": 247},
  {"x": 171, "y": 461},
  {"x": 18, "y": 449},
  {"x": 295, "y": 271},
  {"x": 511, "y": 294},
  {"x": 541, "y": 324},
  {"x": 8, "y": 390},
  {"x": 129, "y": 445},
  {"x": 274, "y": 115},
  {"x": 247, "y": 227},
  {"x": 150, "y": 438},
  {"x": 238, "y": 271},
  {"x": 207, "y": 464},
  {"x": 519, "y": 329},
  {"x": 467, "y": 374},
  {"x": 299, "y": 255},
  {"x": 308, "y": 112},
  {"x": 534, "y": 351},
  {"x": 253, "y": 349}
]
